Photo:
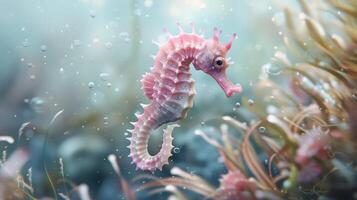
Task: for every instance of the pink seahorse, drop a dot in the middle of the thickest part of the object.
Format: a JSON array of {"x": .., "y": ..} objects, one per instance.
[{"x": 170, "y": 88}]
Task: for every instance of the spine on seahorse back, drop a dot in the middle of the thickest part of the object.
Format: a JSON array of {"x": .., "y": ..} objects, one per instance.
[{"x": 171, "y": 89}]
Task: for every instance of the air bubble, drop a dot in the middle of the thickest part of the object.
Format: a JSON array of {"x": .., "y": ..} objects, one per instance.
[
  {"x": 286, "y": 184},
  {"x": 237, "y": 105},
  {"x": 91, "y": 85},
  {"x": 77, "y": 43},
  {"x": 43, "y": 48},
  {"x": 250, "y": 102},
  {"x": 278, "y": 19},
  {"x": 262, "y": 129},
  {"x": 148, "y": 3},
  {"x": 124, "y": 36},
  {"x": 138, "y": 12},
  {"x": 104, "y": 76},
  {"x": 108, "y": 45},
  {"x": 37, "y": 104},
  {"x": 176, "y": 150},
  {"x": 25, "y": 43},
  {"x": 95, "y": 40},
  {"x": 92, "y": 13},
  {"x": 354, "y": 96},
  {"x": 105, "y": 119},
  {"x": 333, "y": 119},
  {"x": 272, "y": 69},
  {"x": 30, "y": 65}
]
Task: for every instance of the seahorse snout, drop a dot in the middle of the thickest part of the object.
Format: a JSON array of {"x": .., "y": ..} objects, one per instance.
[{"x": 227, "y": 86}]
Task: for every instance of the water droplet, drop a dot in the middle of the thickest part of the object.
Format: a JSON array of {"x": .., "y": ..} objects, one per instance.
[
  {"x": 138, "y": 12},
  {"x": 124, "y": 36},
  {"x": 176, "y": 150},
  {"x": 354, "y": 96},
  {"x": 30, "y": 65},
  {"x": 92, "y": 13},
  {"x": 278, "y": 19},
  {"x": 105, "y": 119},
  {"x": 91, "y": 85},
  {"x": 258, "y": 47},
  {"x": 77, "y": 43},
  {"x": 333, "y": 119},
  {"x": 250, "y": 102},
  {"x": 272, "y": 69},
  {"x": 37, "y": 104},
  {"x": 95, "y": 41},
  {"x": 148, "y": 3},
  {"x": 43, "y": 48},
  {"x": 109, "y": 85},
  {"x": 104, "y": 76},
  {"x": 261, "y": 129},
  {"x": 272, "y": 109},
  {"x": 238, "y": 105},
  {"x": 25, "y": 43},
  {"x": 286, "y": 184},
  {"x": 108, "y": 45}
]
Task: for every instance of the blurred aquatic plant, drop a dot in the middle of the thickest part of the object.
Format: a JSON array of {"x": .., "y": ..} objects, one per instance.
[
  {"x": 127, "y": 190},
  {"x": 240, "y": 159},
  {"x": 302, "y": 143},
  {"x": 12, "y": 183}
]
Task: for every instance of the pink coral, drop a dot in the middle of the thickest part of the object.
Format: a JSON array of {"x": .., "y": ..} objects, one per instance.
[
  {"x": 314, "y": 143},
  {"x": 309, "y": 172},
  {"x": 235, "y": 186}
]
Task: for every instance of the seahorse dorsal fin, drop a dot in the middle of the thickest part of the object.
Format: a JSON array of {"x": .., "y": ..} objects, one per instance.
[{"x": 148, "y": 82}]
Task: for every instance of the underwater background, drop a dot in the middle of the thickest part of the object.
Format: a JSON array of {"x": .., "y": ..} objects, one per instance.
[{"x": 70, "y": 85}]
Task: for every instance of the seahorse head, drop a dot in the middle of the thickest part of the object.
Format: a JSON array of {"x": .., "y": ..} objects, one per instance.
[{"x": 212, "y": 60}]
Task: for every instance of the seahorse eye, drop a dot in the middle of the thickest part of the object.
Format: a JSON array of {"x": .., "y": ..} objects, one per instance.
[{"x": 218, "y": 62}]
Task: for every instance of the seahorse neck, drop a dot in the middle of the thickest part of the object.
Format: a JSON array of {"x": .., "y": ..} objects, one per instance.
[{"x": 180, "y": 51}]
